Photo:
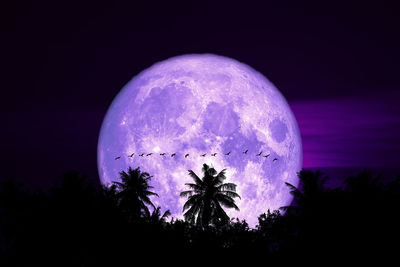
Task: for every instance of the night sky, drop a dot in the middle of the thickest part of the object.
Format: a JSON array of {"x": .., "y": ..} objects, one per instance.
[{"x": 62, "y": 63}]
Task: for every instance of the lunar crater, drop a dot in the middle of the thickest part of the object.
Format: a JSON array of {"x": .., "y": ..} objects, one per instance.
[
  {"x": 278, "y": 130},
  {"x": 220, "y": 119}
]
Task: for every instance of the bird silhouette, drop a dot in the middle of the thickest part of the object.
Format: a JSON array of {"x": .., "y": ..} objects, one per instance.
[
  {"x": 131, "y": 155},
  {"x": 228, "y": 153},
  {"x": 245, "y": 152},
  {"x": 149, "y": 154},
  {"x": 203, "y": 155},
  {"x": 173, "y": 154},
  {"x": 162, "y": 154},
  {"x": 141, "y": 155},
  {"x": 214, "y": 154},
  {"x": 266, "y": 156},
  {"x": 117, "y": 158},
  {"x": 275, "y": 159},
  {"x": 259, "y": 154},
  {"x": 187, "y": 155}
]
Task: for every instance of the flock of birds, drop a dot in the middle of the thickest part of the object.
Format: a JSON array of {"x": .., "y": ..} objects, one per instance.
[{"x": 202, "y": 155}]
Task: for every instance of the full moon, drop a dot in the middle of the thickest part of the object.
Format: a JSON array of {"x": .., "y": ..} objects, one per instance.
[{"x": 199, "y": 104}]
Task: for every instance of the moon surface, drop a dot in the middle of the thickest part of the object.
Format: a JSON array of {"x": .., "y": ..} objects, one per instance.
[{"x": 196, "y": 104}]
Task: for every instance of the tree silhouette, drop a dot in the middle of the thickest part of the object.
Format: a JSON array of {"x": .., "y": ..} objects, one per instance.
[
  {"x": 363, "y": 183},
  {"x": 207, "y": 196},
  {"x": 310, "y": 189},
  {"x": 156, "y": 218},
  {"x": 13, "y": 203},
  {"x": 134, "y": 193},
  {"x": 74, "y": 221}
]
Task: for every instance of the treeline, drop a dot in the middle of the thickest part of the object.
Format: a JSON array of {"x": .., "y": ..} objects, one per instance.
[{"x": 77, "y": 223}]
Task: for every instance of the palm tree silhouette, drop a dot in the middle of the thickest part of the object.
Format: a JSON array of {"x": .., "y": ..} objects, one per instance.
[
  {"x": 207, "y": 196},
  {"x": 310, "y": 189},
  {"x": 134, "y": 193},
  {"x": 156, "y": 218}
]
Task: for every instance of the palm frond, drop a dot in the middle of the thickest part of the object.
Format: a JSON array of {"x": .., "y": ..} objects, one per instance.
[
  {"x": 290, "y": 208},
  {"x": 220, "y": 212},
  {"x": 118, "y": 184},
  {"x": 166, "y": 214},
  {"x": 231, "y": 194},
  {"x": 200, "y": 212},
  {"x": 227, "y": 186},
  {"x": 186, "y": 193},
  {"x": 292, "y": 187},
  {"x": 296, "y": 193},
  {"x": 195, "y": 187},
  {"x": 220, "y": 177},
  {"x": 147, "y": 213},
  {"x": 226, "y": 201},
  {"x": 212, "y": 171},
  {"x": 205, "y": 168},
  {"x": 196, "y": 178},
  {"x": 149, "y": 193},
  {"x": 191, "y": 201},
  {"x": 147, "y": 201},
  {"x": 191, "y": 213}
]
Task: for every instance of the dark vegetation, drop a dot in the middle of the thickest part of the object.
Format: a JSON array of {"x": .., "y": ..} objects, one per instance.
[
  {"x": 76, "y": 223},
  {"x": 207, "y": 197}
]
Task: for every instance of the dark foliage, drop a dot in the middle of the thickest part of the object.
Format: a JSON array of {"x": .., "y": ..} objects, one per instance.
[
  {"x": 133, "y": 194},
  {"x": 76, "y": 223},
  {"x": 207, "y": 197}
]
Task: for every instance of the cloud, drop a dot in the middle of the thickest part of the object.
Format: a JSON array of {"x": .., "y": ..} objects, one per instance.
[{"x": 353, "y": 131}]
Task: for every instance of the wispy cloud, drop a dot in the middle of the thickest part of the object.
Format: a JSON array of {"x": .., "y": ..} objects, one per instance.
[{"x": 353, "y": 131}]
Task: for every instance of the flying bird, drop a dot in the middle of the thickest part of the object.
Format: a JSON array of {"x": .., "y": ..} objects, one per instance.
[
  {"x": 228, "y": 153},
  {"x": 266, "y": 156},
  {"x": 214, "y": 154},
  {"x": 149, "y": 154},
  {"x": 173, "y": 154},
  {"x": 259, "y": 154},
  {"x": 187, "y": 155},
  {"x": 131, "y": 155},
  {"x": 275, "y": 159},
  {"x": 203, "y": 155},
  {"x": 162, "y": 154},
  {"x": 117, "y": 158},
  {"x": 245, "y": 152},
  {"x": 141, "y": 155}
]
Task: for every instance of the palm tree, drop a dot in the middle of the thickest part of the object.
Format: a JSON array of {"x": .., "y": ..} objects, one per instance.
[
  {"x": 134, "y": 192},
  {"x": 206, "y": 197},
  {"x": 156, "y": 218},
  {"x": 308, "y": 195}
]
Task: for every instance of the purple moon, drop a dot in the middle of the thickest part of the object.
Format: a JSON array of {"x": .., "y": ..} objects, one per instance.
[{"x": 202, "y": 104}]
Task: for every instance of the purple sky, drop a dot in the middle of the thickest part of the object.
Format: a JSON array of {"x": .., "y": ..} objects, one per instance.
[
  {"x": 63, "y": 63},
  {"x": 354, "y": 131}
]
